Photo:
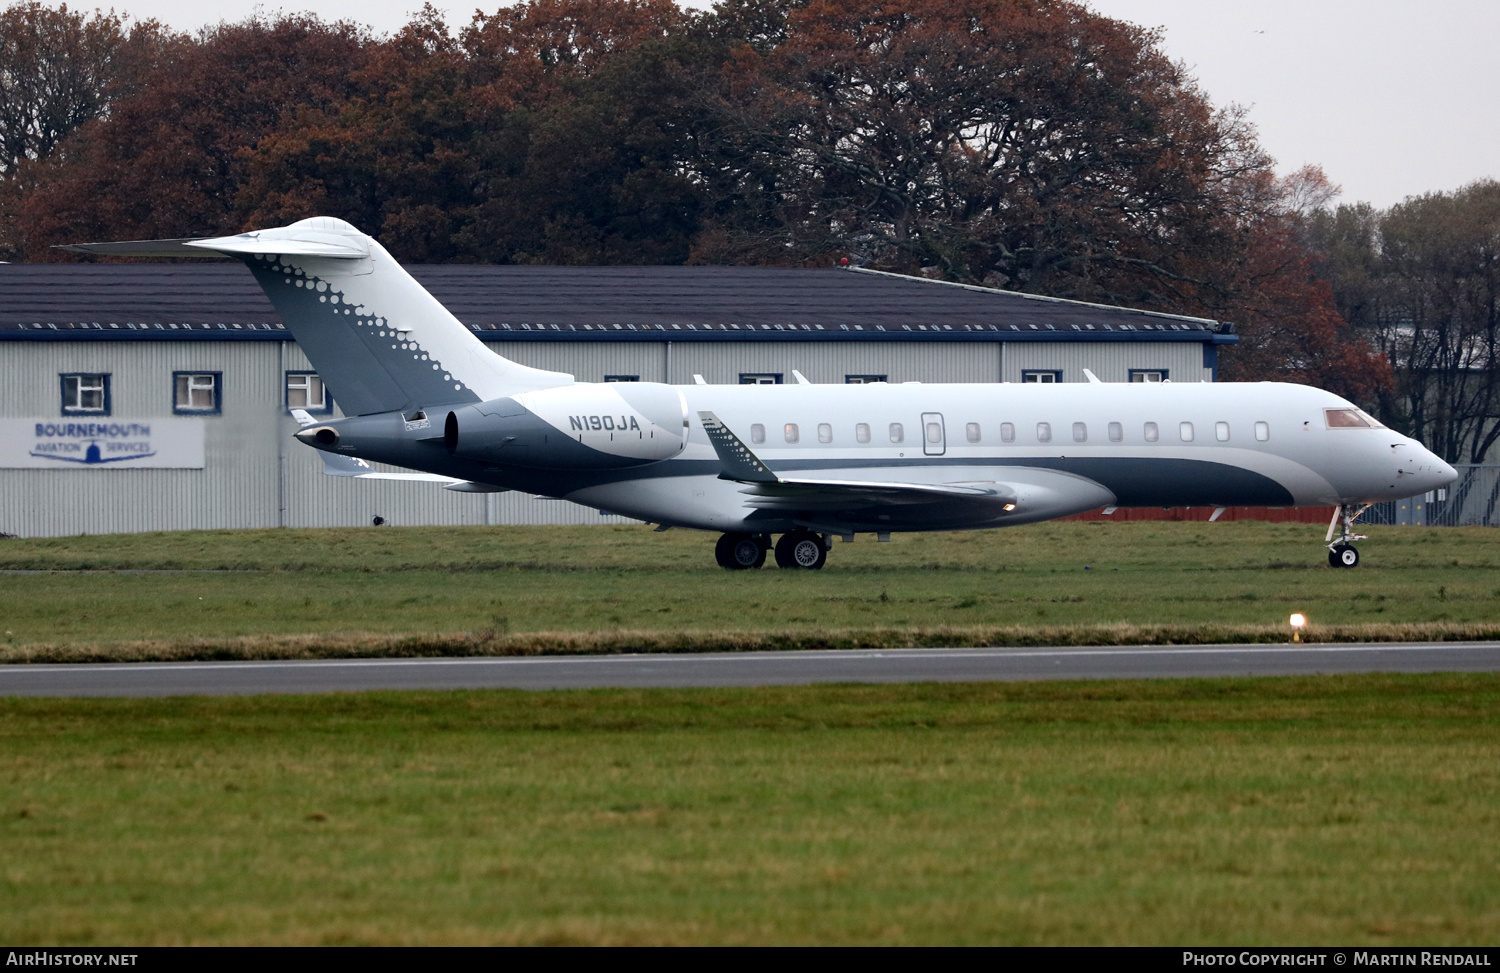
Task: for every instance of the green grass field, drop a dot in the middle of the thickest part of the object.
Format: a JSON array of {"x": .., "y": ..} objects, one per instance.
[
  {"x": 1348, "y": 810},
  {"x": 517, "y": 589}
]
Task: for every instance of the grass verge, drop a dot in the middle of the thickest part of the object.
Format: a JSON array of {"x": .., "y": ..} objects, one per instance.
[
  {"x": 515, "y": 590},
  {"x": 1345, "y": 810},
  {"x": 340, "y": 645}
]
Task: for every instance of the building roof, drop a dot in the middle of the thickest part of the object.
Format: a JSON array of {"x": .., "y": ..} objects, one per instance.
[{"x": 221, "y": 301}]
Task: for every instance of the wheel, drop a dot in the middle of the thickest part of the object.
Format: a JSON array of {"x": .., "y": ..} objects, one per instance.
[
  {"x": 1347, "y": 556},
  {"x": 1333, "y": 557},
  {"x": 738, "y": 552},
  {"x": 801, "y": 549}
]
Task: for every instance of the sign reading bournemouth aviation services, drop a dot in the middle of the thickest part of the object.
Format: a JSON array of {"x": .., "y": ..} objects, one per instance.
[{"x": 103, "y": 443}]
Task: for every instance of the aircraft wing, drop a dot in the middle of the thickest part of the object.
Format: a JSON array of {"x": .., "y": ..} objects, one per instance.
[
  {"x": 771, "y": 492},
  {"x": 336, "y": 465}
]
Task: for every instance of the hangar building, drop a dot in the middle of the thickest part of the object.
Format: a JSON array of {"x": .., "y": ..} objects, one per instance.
[{"x": 138, "y": 397}]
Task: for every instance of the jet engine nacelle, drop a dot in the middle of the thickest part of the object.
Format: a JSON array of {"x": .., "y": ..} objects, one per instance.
[{"x": 576, "y": 427}]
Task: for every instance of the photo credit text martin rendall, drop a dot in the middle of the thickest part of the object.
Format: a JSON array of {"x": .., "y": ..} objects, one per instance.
[{"x": 1337, "y": 957}]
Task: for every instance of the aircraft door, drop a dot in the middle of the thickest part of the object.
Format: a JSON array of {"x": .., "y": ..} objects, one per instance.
[{"x": 934, "y": 438}]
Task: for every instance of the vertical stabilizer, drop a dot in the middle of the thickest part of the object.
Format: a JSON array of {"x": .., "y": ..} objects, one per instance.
[{"x": 376, "y": 337}]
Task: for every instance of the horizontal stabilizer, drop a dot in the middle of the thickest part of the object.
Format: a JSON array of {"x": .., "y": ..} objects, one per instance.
[
  {"x": 143, "y": 248},
  {"x": 306, "y": 243}
]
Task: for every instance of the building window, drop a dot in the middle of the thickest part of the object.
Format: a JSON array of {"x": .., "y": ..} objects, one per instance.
[
  {"x": 1151, "y": 433},
  {"x": 760, "y": 378},
  {"x": 305, "y": 390},
  {"x": 196, "y": 393},
  {"x": 1116, "y": 432},
  {"x": 1148, "y": 374},
  {"x": 1080, "y": 432},
  {"x": 861, "y": 432},
  {"x": 85, "y": 395},
  {"x": 1046, "y": 377},
  {"x": 757, "y": 432},
  {"x": 825, "y": 433},
  {"x": 790, "y": 432},
  {"x": 1044, "y": 432},
  {"x": 971, "y": 431},
  {"x": 863, "y": 379},
  {"x": 622, "y": 378},
  {"x": 898, "y": 435},
  {"x": 1185, "y": 430},
  {"x": 1007, "y": 432},
  {"x": 1221, "y": 431},
  {"x": 1262, "y": 432}
]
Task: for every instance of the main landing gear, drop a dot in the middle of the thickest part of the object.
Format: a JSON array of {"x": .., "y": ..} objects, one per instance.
[
  {"x": 797, "y": 549},
  {"x": 1341, "y": 553}
]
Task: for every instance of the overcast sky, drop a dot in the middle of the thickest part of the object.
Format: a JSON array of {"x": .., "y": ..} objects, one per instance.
[{"x": 1393, "y": 98}]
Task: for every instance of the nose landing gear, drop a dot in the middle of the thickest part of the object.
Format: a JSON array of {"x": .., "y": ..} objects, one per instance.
[{"x": 1341, "y": 553}]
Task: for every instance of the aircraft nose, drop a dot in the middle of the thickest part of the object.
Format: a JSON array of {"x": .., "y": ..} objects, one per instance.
[{"x": 1432, "y": 471}]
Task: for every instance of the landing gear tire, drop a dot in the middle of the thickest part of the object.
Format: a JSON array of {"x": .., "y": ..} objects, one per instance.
[
  {"x": 1343, "y": 556},
  {"x": 801, "y": 549},
  {"x": 740, "y": 552}
]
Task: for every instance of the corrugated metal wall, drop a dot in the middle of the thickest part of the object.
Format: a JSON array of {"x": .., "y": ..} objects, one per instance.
[
  {"x": 1110, "y": 360},
  {"x": 721, "y": 362},
  {"x": 256, "y": 475}
]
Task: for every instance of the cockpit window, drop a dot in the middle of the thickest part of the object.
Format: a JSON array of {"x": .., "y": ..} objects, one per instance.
[{"x": 1350, "y": 419}]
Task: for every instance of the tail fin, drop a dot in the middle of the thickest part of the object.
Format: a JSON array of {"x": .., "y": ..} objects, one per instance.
[{"x": 376, "y": 337}]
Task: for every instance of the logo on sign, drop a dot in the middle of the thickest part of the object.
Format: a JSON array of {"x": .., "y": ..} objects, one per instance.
[{"x": 92, "y": 443}]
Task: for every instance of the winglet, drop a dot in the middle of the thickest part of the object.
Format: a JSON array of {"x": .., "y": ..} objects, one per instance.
[
  {"x": 1093, "y": 379},
  {"x": 739, "y": 462}
]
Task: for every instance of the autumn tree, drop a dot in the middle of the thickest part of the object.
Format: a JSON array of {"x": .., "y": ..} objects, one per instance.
[
  {"x": 170, "y": 160},
  {"x": 1439, "y": 275},
  {"x": 1023, "y": 143},
  {"x": 60, "y": 69},
  {"x": 534, "y": 135}
]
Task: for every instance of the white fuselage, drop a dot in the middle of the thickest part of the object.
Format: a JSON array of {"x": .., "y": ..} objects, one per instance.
[{"x": 1065, "y": 447}]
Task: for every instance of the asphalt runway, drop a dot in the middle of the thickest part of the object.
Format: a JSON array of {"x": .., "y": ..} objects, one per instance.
[{"x": 741, "y": 669}]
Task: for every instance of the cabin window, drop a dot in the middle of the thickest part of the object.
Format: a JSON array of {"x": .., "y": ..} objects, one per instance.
[
  {"x": 305, "y": 390},
  {"x": 1044, "y": 432},
  {"x": 1007, "y": 432},
  {"x": 863, "y": 379},
  {"x": 898, "y": 434},
  {"x": 1221, "y": 431},
  {"x": 972, "y": 432},
  {"x": 1350, "y": 419},
  {"x": 1080, "y": 432},
  {"x": 1262, "y": 432},
  {"x": 1151, "y": 433},
  {"x": 862, "y": 432},
  {"x": 1116, "y": 432},
  {"x": 85, "y": 395},
  {"x": 758, "y": 433},
  {"x": 1148, "y": 374},
  {"x": 825, "y": 433},
  {"x": 934, "y": 432},
  {"x": 790, "y": 432},
  {"x": 1185, "y": 430},
  {"x": 195, "y": 393},
  {"x": 1038, "y": 376}
]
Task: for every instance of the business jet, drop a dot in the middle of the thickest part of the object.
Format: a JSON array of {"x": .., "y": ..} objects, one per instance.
[{"x": 806, "y": 462}]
